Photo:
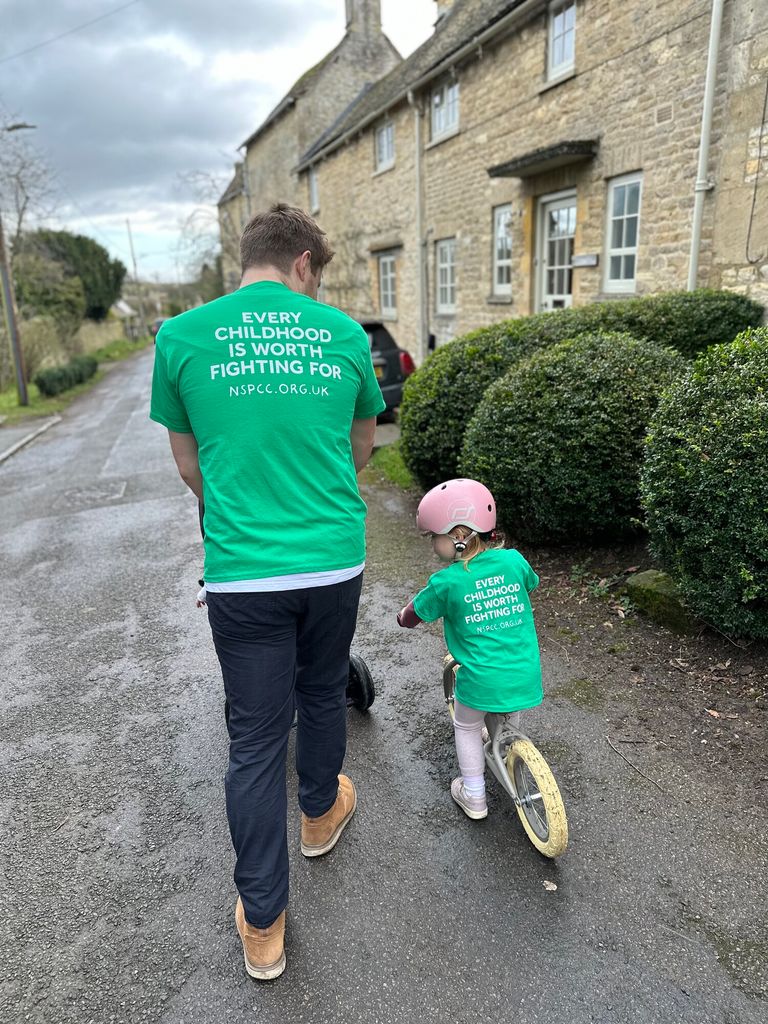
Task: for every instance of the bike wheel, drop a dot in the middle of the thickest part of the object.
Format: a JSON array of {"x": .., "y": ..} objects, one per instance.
[
  {"x": 541, "y": 810},
  {"x": 360, "y": 689}
]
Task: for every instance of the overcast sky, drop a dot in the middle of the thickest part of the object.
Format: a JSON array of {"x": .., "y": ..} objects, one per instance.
[{"x": 158, "y": 88}]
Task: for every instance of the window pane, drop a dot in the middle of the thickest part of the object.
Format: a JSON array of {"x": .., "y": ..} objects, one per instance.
[
  {"x": 616, "y": 234},
  {"x": 618, "y": 200},
  {"x": 629, "y": 268},
  {"x": 630, "y": 233},
  {"x": 570, "y": 16},
  {"x": 633, "y": 197},
  {"x": 615, "y": 272}
]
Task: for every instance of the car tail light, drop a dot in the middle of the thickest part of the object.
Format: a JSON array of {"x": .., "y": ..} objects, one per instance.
[{"x": 407, "y": 364}]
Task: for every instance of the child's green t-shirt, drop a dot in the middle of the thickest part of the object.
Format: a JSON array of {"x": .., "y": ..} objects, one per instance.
[
  {"x": 269, "y": 382},
  {"x": 489, "y": 628}
]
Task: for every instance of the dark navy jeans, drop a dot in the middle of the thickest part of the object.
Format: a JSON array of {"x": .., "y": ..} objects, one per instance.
[{"x": 281, "y": 652}]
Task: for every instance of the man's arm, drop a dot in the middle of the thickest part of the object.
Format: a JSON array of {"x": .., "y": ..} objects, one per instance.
[
  {"x": 184, "y": 450},
  {"x": 361, "y": 435}
]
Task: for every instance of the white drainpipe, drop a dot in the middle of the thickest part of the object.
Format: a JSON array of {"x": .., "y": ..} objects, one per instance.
[
  {"x": 703, "y": 184},
  {"x": 423, "y": 325}
]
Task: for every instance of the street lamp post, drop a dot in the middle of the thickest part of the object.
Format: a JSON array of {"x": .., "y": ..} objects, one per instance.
[{"x": 9, "y": 300}]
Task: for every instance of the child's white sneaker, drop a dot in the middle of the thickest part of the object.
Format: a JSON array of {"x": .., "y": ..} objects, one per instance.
[{"x": 473, "y": 806}]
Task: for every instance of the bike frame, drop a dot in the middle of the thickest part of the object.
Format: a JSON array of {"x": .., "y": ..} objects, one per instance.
[{"x": 502, "y": 734}]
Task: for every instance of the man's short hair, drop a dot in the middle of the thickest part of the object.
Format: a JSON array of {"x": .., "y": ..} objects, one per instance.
[{"x": 279, "y": 236}]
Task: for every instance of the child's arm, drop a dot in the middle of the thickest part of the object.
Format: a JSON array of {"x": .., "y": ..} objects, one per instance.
[
  {"x": 201, "y": 595},
  {"x": 407, "y": 617}
]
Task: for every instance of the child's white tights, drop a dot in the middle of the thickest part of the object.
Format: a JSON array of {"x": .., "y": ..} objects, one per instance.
[{"x": 468, "y": 727}]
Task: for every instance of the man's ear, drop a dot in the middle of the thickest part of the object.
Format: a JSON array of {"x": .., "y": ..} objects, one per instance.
[{"x": 304, "y": 264}]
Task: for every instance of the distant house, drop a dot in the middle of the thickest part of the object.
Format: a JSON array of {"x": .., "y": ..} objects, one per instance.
[
  {"x": 534, "y": 154},
  {"x": 268, "y": 172}
]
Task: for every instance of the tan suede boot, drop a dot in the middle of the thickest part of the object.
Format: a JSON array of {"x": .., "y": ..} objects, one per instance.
[
  {"x": 262, "y": 947},
  {"x": 319, "y": 835}
]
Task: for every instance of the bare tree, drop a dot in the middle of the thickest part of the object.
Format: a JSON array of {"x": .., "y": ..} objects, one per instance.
[
  {"x": 199, "y": 239},
  {"x": 26, "y": 184}
]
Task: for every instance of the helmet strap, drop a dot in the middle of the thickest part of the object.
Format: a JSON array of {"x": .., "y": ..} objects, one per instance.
[{"x": 461, "y": 545}]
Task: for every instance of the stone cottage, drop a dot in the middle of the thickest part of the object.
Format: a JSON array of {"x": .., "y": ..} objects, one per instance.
[{"x": 535, "y": 154}]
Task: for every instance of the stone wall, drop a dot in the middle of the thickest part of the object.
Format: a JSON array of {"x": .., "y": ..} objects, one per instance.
[
  {"x": 637, "y": 88},
  {"x": 740, "y": 201}
]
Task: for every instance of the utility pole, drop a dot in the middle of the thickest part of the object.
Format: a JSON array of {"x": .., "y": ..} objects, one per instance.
[
  {"x": 142, "y": 319},
  {"x": 9, "y": 307},
  {"x": 9, "y": 299}
]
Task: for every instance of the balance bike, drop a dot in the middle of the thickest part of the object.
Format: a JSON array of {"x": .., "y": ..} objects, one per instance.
[{"x": 522, "y": 772}]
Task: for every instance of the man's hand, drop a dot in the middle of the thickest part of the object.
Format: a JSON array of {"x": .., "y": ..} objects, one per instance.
[
  {"x": 361, "y": 435},
  {"x": 184, "y": 450}
]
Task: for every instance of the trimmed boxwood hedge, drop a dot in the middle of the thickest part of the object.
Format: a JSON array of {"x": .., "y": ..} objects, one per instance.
[
  {"x": 441, "y": 397},
  {"x": 559, "y": 439},
  {"x": 61, "y": 378},
  {"x": 704, "y": 485}
]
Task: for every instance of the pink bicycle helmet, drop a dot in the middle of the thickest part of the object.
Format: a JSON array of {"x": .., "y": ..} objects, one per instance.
[{"x": 457, "y": 503}]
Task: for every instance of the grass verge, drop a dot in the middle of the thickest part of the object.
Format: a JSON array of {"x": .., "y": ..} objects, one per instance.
[
  {"x": 11, "y": 412},
  {"x": 387, "y": 462}
]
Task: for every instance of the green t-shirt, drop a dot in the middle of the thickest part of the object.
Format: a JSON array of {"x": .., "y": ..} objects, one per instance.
[
  {"x": 489, "y": 629},
  {"x": 269, "y": 381}
]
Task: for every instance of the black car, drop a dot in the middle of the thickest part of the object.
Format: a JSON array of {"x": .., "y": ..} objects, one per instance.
[{"x": 391, "y": 363}]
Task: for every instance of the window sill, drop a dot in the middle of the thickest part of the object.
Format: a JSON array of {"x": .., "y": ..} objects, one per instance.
[
  {"x": 383, "y": 170},
  {"x": 617, "y": 293},
  {"x": 443, "y": 138},
  {"x": 552, "y": 83},
  {"x": 447, "y": 313},
  {"x": 499, "y": 300},
  {"x": 389, "y": 317}
]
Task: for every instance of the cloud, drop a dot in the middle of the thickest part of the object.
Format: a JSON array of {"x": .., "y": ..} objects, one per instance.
[{"x": 126, "y": 106}]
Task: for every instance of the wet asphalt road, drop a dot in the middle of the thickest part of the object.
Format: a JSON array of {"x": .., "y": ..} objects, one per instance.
[{"x": 116, "y": 898}]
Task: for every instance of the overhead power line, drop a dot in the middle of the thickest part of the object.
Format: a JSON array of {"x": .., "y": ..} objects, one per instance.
[{"x": 69, "y": 32}]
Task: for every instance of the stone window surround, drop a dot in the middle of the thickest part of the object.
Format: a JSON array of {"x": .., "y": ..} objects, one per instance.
[
  {"x": 387, "y": 259},
  {"x": 443, "y": 246},
  {"x": 451, "y": 128},
  {"x": 314, "y": 191},
  {"x": 380, "y": 168},
  {"x": 555, "y": 73},
  {"x": 500, "y": 291},
  {"x": 624, "y": 286}
]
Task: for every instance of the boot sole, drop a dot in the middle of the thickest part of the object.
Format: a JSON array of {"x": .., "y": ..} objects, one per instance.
[
  {"x": 318, "y": 851},
  {"x": 265, "y": 973}
]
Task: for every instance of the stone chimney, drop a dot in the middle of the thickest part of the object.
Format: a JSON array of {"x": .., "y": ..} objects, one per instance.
[
  {"x": 443, "y": 6},
  {"x": 364, "y": 16}
]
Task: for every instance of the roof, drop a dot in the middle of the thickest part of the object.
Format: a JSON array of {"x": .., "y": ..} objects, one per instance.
[
  {"x": 299, "y": 87},
  {"x": 547, "y": 158},
  {"x": 235, "y": 187},
  {"x": 460, "y": 26}
]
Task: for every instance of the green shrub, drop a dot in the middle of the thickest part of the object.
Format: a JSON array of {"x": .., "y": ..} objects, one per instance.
[
  {"x": 705, "y": 485},
  {"x": 61, "y": 378},
  {"x": 441, "y": 397},
  {"x": 559, "y": 439},
  {"x": 41, "y": 344}
]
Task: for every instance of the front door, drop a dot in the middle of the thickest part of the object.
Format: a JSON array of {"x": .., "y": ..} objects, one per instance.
[{"x": 556, "y": 229}]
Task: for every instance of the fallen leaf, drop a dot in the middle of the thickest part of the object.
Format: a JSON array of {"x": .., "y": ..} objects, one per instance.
[
  {"x": 711, "y": 711},
  {"x": 632, "y": 568},
  {"x": 550, "y": 886}
]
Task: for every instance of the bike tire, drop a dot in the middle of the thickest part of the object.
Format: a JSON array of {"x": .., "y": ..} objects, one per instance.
[
  {"x": 361, "y": 692},
  {"x": 542, "y": 812}
]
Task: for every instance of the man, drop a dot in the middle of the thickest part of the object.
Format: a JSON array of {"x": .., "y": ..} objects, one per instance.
[{"x": 270, "y": 401}]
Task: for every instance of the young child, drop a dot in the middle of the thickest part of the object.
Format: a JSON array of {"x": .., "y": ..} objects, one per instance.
[{"x": 482, "y": 597}]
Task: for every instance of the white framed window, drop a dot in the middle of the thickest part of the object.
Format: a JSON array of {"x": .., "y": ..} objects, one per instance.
[
  {"x": 561, "y": 42},
  {"x": 445, "y": 266},
  {"x": 502, "y": 250},
  {"x": 445, "y": 109},
  {"x": 387, "y": 284},
  {"x": 314, "y": 191},
  {"x": 622, "y": 232},
  {"x": 385, "y": 146}
]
